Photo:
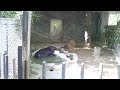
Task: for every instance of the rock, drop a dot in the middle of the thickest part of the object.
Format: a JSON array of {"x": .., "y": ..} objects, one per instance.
[
  {"x": 97, "y": 51},
  {"x": 62, "y": 50},
  {"x": 33, "y": 71},
  {"x": 35, "y": 66},
  {"x": 35, "y": 77}
]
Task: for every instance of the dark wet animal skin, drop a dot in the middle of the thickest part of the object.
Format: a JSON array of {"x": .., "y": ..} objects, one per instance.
[{"x": 45, "y": 52}]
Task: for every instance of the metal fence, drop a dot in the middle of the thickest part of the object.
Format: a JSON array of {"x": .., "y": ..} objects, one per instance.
[{"x": 82, "y": 70}]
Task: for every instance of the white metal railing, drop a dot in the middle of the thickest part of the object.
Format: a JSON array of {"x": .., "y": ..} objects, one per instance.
[{"x": 81, "y": 70}]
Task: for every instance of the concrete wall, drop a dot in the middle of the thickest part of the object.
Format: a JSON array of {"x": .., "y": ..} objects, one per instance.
[
  {"x": 104, "y": 21},
  {"x": 11, "y": 28},
  {"x": 73, "y": 26}
]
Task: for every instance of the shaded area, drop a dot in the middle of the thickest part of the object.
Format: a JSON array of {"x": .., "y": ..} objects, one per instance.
[{"x": 73, "y": 27}]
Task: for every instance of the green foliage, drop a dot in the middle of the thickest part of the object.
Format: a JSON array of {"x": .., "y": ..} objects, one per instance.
[
  {"x": 117, "y": 34},
  {"x": 7, "y": 14},
  {"x": 36, "y": 16},
  {"x": 39, "y": 23},
  {"x": 112, "y": 35}
]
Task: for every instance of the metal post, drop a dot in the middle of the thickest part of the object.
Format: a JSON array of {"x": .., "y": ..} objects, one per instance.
[
  {"x": 14, "y": 68},
  {"x": 44, "y": 70},
  {"x": 0, "y": 65},
  {"x": 20, "y": 67},
  {"x": 82, "y": 71},
  {"x": 63, "y": 70},
  {"x": 6, "y": 65},
  {"x": 118, "y": 71},
  {"x": 4, "y": 68},
  {"x": 100, "y": 70}
]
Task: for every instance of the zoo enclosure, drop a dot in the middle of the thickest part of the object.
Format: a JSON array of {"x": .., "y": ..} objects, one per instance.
[{"x": 82, "y": 70}]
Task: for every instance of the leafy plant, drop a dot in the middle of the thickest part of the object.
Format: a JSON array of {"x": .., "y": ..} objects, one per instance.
[
  {"x": 36, "y": 16},
  {"x": 7, "y": 14}
]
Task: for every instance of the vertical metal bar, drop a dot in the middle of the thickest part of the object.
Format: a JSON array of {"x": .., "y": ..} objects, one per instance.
[
  {"x": 63, "y": 70},
  {"x": 0, "y": 65},
  {"x": 6, "y": 64},
  {"x": 82, "y": 71},
  {"x": 4, "y": 68},
  {"x": 100, "y": 70},
  {"x": 118, "y": 71},
  {"x": 44, "y": 70},
  {"x": 20, "y": 67},
  {"x": 14, "y": 75}
]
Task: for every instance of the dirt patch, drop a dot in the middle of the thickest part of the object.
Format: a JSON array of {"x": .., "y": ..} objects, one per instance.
[{"x": 87, "y": 56}]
